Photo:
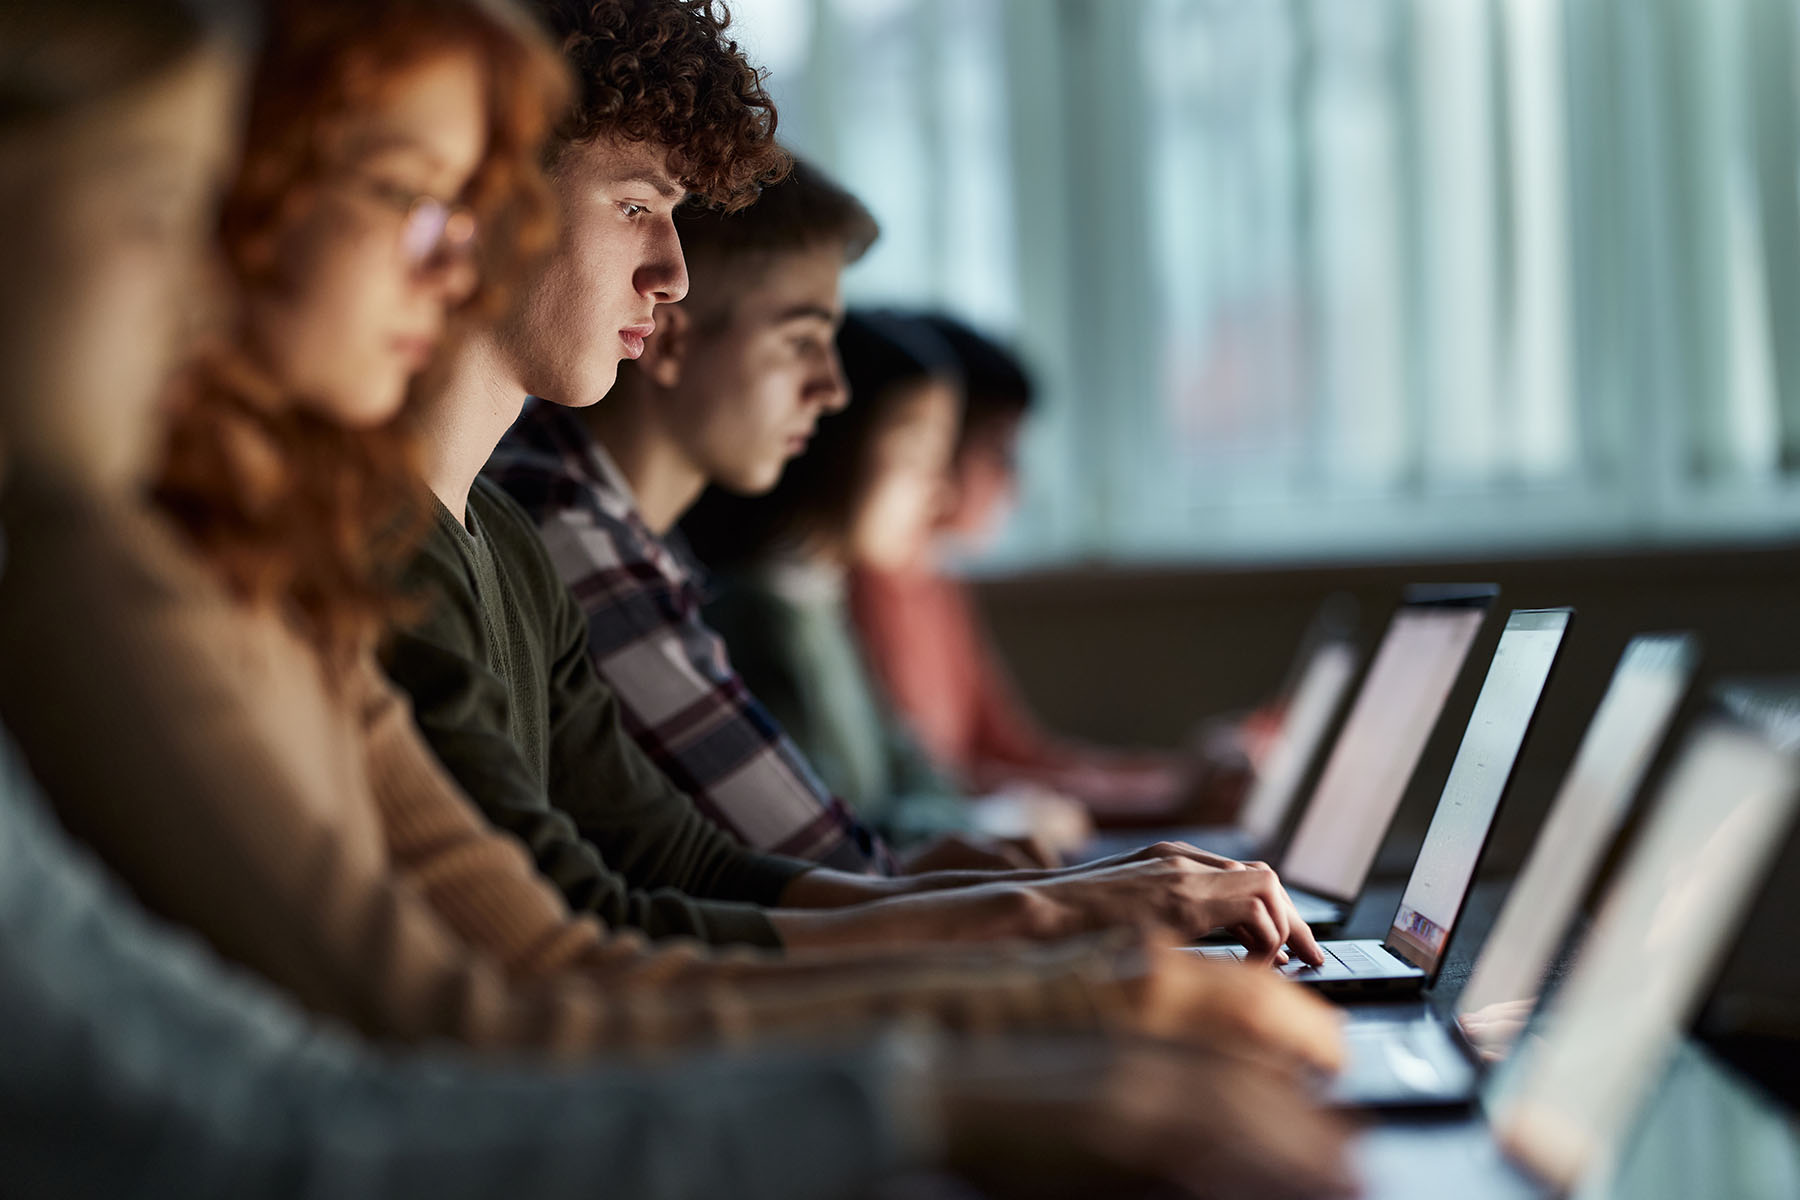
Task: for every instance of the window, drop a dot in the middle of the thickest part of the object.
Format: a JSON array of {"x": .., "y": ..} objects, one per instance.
[{"x": 1308, "y": 277}]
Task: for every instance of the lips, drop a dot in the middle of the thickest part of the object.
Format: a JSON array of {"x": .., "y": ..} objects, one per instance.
[{"x": 632, "y": 337}]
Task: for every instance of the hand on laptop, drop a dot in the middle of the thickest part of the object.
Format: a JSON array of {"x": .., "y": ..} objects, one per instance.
[
  {"x": 1191, "y": 999},
  {"x": 1494, "y": 1029},
  {"x": 1079, "y": 1118},
  {"x": 1190, "y": 892},
  {"x": 1156, "y": 850}
]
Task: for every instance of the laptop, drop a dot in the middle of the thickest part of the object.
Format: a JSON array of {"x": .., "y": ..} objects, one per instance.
[
  {"x": 1313, "y": 703},
  {"x": 1398, "y": 1057},
  {"x": 1329, "y": 857},
  {"x": 1309, "y": 699},
  {"x": 1718, "y": 822},
  {"x": 1408, "y": 958}
]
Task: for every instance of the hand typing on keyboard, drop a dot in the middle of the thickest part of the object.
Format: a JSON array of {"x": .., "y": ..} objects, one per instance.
[{"x": 1189, "y": 893}]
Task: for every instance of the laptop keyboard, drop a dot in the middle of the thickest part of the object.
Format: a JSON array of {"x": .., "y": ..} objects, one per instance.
[{"x": 1348, "y": 955}]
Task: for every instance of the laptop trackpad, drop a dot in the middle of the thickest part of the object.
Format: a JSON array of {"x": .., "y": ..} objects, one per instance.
[{"x": 1401, "y": 1063}]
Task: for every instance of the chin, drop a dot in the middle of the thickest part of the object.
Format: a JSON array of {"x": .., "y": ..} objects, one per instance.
[
  {"x": 594, "y": 388},
  {"x": 369, "y": 408},
  {"x": 753, "y": 482}
]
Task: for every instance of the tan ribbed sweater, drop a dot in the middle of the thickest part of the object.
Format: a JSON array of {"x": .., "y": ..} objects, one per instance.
[{"x": 304, "y": 829}]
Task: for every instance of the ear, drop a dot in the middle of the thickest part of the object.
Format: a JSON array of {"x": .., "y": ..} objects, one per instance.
[{"x": 666, "y": 350}]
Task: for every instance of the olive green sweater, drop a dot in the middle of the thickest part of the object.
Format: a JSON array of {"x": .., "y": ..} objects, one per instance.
[{"x": 503, "y": 689}]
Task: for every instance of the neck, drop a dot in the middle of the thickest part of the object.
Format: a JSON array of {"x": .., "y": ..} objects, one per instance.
[
  {"x": 462, "y": 420},
  {"x": 664, "y": 480}
]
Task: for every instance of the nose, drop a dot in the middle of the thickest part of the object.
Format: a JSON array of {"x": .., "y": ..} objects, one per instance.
[
  {"x": 832, "y": 389},
  {"x": 662, "y": 275}
]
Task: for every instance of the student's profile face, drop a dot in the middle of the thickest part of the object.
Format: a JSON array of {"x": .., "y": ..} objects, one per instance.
[
  {"x": 905, "y": 476},
  {"x": 362, "y": 288},
  {"x": 983, "y": 482},
  {"x": 595, "y": 303},
  {"x": 757, "y": 379},
  {"x": 105, "y": 224}
]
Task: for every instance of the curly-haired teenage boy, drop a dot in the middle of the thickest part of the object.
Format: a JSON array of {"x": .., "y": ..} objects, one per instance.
[{"x": 499, "y": 670}]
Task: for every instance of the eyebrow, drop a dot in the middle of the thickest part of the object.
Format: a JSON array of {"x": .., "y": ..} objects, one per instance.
[
  {"x": 800, "y": 312},
  {"x": 661, "y": 187},
  {"x": 387, "y": 142}
]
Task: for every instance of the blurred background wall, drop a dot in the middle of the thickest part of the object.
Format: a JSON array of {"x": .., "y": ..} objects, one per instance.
[{"x": 1336, "y": 294}]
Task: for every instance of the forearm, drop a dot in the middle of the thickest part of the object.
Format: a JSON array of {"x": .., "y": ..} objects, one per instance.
[
  {"x": 1078, "y": 987},
  {"x": 208, "y": 1085},
  {"x": 825, "y": 888},
  {"x": 988, "y": 912}
]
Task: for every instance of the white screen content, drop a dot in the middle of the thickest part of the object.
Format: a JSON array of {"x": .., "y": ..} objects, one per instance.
[
  {"x": 1366, "y": 777},
  {"x": 1713, "y": 835},
  {"x": 1304, "y": 726},
  {"x": 1615, "y": 753},
  {"x": 1459, "y": 827}
]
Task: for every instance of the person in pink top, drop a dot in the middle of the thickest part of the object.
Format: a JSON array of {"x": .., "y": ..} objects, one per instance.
[{"x": 925, "y": 642}]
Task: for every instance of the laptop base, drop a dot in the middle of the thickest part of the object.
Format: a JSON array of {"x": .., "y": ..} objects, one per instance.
[
  {"x": 1406, "y": 1059},
  {"x": 1361, "y": 969}
]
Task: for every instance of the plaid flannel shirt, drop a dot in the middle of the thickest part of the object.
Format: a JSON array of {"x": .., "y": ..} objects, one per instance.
[{"x": 681, "y": 698}]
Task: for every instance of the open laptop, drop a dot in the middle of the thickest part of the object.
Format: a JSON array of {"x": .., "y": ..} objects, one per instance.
[
  {"x": 1312, "y": 706},
  {"x": 1328, "y": 859},
  {"x": 1313, "y": 703},
  {"x": 1409, "y": 957},
  {"x": 1411, "y": 1056},
  {"x": 1310, "y": 697},
  {"x": 1717, "y": 825}
]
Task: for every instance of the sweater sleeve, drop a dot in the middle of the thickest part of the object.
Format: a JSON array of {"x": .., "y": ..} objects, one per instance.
[
  {"x": 478, "y": 879},
  {"x": 136, "y": 1062},
  {"x": 617, "y": 839},
  {"x": 202, "y": 791},
  {"x": 925, "y": 804},
  {"x": 192, "y": 783}
]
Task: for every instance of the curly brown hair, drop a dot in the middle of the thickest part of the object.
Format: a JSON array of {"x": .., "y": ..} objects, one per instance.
[
  {"x": 664, "y": 71},
  {"x": 291, "y": 509}
]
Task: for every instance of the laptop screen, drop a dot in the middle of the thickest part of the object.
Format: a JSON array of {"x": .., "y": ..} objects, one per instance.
[
  {"x": 1365, "y": 778},
  {"x": 1713, "y": 833},
  {"x": 1315, "y": 701},
  {"x": 1615, "y": 755},
  {"x": 1484, "y": 763}
]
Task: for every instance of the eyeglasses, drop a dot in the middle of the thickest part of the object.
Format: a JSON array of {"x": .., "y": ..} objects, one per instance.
[{"x": 428, "y": 226}]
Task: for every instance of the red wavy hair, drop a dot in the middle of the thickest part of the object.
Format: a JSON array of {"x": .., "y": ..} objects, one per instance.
[{"x": 294, "y": 510}]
